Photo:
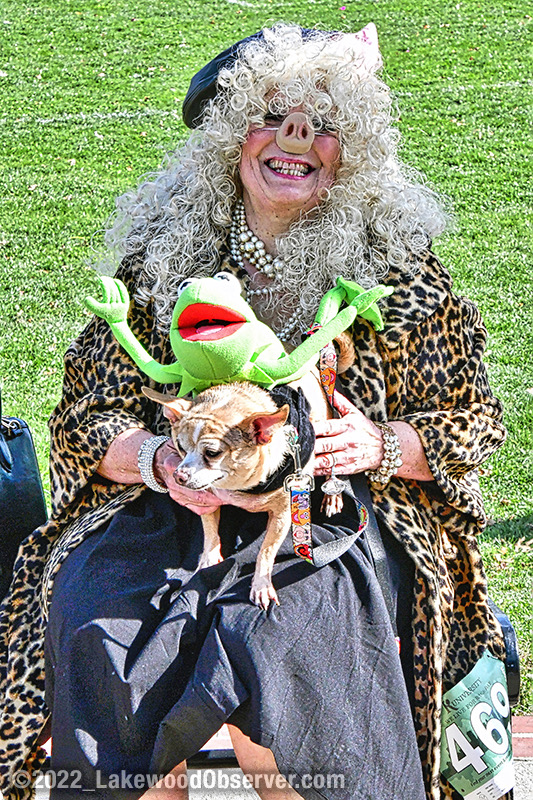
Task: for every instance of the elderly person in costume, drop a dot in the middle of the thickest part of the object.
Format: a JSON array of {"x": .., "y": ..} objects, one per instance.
[{"x": 290, "y": 179}]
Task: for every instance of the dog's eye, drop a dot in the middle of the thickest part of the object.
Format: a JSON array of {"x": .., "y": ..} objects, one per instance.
[
  {"x": 179, "y": 449},
  {"x": 211, "y": 452},
  {"x": 230, "y": 279},
  {"x": 183, "y": 285}
]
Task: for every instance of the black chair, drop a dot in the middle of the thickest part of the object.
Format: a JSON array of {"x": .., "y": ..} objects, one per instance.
[{"x": 512, "y": 660}]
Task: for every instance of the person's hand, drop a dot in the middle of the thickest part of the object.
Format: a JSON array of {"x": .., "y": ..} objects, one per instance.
[
  {"x": 348, "y": 445},
  {"x": 166, "y": 461}
]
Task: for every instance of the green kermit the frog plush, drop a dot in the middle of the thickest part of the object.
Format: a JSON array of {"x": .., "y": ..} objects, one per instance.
[{"x": 217, "y": 338}]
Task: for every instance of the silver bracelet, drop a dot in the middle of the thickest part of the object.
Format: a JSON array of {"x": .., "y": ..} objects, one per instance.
[
  {"x": 145, "y": 462},
  {"x": 392, "y": 457}
]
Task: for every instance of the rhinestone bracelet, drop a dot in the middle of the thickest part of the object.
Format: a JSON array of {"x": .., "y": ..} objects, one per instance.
[
  {"x": 392, "y": 457},
  {"x": 145, "y": 462}
]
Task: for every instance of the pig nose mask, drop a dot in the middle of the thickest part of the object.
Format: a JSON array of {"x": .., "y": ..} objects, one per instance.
[{"x": 295, "y": 134}]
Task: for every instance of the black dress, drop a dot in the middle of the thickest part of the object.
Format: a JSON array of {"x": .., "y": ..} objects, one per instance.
[{"x": 145, "y": 659}]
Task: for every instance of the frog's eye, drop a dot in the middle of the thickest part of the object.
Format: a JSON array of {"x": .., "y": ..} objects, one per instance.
[
  {"x": 183, "y": 285},
  {"x": 230, "y": 279}
]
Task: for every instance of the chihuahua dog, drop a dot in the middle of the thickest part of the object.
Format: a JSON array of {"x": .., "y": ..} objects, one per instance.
[{"x": 232, "y": 437}]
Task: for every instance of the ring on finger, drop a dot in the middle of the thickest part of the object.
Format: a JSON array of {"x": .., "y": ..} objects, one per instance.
[{"x": 331, "y": 464}]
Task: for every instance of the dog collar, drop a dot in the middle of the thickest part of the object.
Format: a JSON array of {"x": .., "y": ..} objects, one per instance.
[{"x": 299, "y": 419}]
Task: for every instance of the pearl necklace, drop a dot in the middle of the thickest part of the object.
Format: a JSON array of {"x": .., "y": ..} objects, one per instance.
[{"x": 245, "y": 244}]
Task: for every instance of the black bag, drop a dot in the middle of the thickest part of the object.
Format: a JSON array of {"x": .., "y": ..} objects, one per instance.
[{"x": 22, "y": 504}]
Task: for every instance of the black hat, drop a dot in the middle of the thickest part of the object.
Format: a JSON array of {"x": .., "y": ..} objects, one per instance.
[{"x": 203, "y": 86}]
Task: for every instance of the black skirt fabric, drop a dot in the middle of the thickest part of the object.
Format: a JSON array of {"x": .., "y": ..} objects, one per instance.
[{"x": 146, "y": 659}]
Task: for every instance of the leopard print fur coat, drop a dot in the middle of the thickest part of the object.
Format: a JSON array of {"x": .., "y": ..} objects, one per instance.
[{"x": 425, "y": 368}]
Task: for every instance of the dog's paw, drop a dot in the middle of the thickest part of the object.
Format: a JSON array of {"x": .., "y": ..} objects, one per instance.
[
  {"x": 331, "y": 504},
  {"x": 211, "y": 558},
  {"x": 263, "y": 592}
]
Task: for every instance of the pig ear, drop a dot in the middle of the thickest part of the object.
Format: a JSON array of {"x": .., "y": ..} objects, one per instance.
[
  {"x": 259, "y": 428},
  {"x": 174, "y": 407}
]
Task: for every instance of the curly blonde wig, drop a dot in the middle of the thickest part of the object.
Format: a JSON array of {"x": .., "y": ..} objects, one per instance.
[{"x": 376, "y": 215}]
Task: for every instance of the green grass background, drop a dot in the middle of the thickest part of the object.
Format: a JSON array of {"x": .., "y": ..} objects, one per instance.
[{"x": 91, "y": 94}]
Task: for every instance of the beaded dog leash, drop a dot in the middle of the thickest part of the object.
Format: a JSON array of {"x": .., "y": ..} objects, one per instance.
[{"x": 300, "y": 484}]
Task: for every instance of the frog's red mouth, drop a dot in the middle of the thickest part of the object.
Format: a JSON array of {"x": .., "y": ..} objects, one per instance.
[{"x": 202, "y": 322}]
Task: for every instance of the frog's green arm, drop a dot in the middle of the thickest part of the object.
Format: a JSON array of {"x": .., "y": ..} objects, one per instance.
[
  {"x": 114, "y": 309},
  {"x": 161, "y": 373},
  {"x": 330, "y": 304},
  {"x": 360, "y": 301},
  {"x": 295, "y": 364}
]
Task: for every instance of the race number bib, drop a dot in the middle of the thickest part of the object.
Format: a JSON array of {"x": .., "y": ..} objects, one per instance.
[{"x": 476, "y": 747}]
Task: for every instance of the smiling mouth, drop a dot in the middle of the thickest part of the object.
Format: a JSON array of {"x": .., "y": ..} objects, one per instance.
[
  {"x": 295, "y": 168},
  {"x": 205, "y": 322}
]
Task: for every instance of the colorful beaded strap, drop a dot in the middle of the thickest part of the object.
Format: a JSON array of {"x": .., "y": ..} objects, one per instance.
[{"x": 300, "y": 485}]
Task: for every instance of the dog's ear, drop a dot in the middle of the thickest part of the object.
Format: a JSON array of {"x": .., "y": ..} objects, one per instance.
[
  {"x": 174, "y": 407},
  {"x": 259, "y": 428}
]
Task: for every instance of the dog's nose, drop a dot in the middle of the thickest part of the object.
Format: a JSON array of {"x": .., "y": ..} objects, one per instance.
[{"x": 182, "y": 475}]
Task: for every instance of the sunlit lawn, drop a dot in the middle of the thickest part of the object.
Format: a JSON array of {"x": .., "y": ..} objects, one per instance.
[{"x": 91, "y": 95}]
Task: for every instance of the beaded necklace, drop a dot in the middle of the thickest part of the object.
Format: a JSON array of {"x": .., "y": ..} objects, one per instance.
[{"x": 245, "y": 244}]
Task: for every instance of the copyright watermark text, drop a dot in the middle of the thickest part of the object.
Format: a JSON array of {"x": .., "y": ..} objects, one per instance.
[{"x": 203, "y": 779}]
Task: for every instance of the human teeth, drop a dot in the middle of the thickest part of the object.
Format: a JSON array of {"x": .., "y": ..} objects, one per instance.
[{"x": 285, "y": 168}]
